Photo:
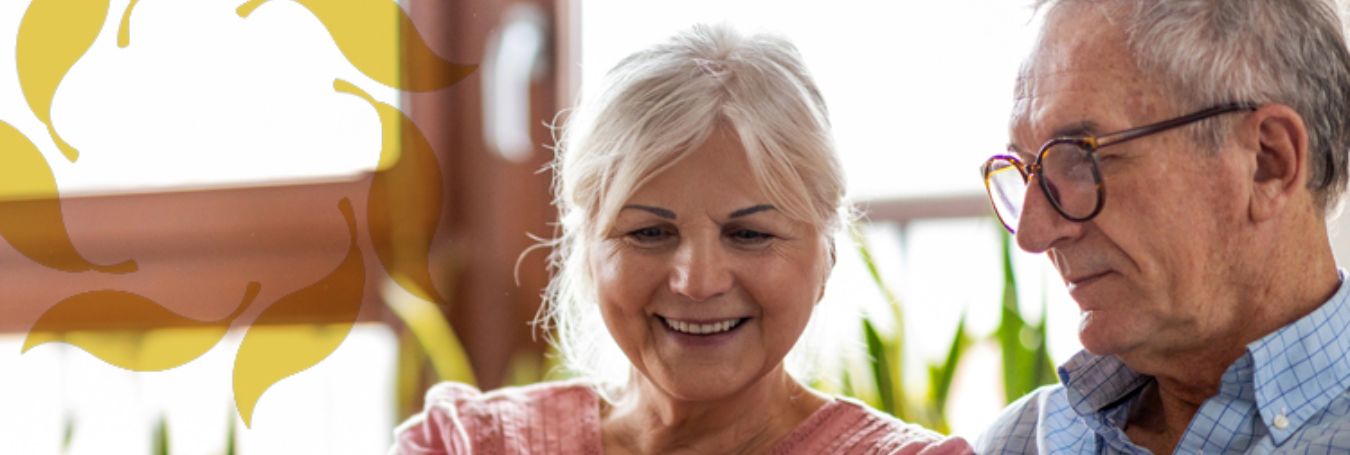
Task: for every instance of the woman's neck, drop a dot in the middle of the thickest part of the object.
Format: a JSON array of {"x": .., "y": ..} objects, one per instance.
[{"x": 649, "y": 420}]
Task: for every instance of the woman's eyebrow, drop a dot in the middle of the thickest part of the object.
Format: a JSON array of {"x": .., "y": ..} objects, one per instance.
[
  {"x": 751, "y": 210},
  {"x": 663, "y": 213}
]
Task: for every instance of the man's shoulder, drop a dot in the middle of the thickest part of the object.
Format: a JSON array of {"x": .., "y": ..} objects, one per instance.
[
  {"x": 1016, "y": 428},
  {"x": 1327, "y": 430}
]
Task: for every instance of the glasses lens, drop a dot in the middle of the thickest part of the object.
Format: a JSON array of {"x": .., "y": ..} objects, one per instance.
[
  {"x": 1070, "y": 179},
  {"x": 1007, "y": 190}
]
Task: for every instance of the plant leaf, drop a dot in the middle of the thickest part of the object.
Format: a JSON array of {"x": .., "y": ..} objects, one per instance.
[
  {"x": 30, "y": 209},
  {"x": 271, "y": 352},
  {"x": 372, "y": 34},
  {"x": 881, "y": 370},
  {"x": 1044, "y": 366},
  {"x": 1024, "y": 367},
  {"x": 942, "y": 380},
  {"x": 230, "y": 431},
  {"x": 53, "y": 35},
  {"x": 161, "y": 436},
  {"x": 67, "y": 430},
  {"x": 179, "y": 342},
  {"x": 404, "y": 204},
  {"x": 895, "y": 348}
]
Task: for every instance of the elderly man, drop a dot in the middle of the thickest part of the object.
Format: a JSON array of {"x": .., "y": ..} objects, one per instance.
[{"x": 1175, "y": 160}]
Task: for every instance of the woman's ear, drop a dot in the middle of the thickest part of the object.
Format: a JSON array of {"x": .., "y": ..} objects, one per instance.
[
  {"x": 832, "y": 250},
  {"x": 1280, "y": 167}
]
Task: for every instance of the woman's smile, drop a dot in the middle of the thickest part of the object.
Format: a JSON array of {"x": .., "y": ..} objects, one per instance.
[
  {"x": 701, "y": 269},
  {"x": 702, "y": 333}
]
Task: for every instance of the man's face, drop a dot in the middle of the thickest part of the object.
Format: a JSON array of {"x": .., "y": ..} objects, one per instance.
[{"x": 1149, "y": 271}]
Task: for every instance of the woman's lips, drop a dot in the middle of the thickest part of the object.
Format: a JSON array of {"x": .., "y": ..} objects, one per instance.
[{"x": 704, "y": 327}]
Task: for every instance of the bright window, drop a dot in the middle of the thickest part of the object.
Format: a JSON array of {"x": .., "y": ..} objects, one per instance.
[{"x": 201, "y": 97}]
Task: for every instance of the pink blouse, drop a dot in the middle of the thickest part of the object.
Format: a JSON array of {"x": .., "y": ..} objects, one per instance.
[{"x": 564, "y": 418}]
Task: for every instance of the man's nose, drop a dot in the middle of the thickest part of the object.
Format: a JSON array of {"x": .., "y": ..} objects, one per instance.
[
  {"x": 1041, "y": 226},
  {"x": 701, "y": 270}
]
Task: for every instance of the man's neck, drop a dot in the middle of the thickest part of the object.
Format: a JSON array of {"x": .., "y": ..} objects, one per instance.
[
  {"x": 1157, "y": 422},
  {"x": 1185, "y": 380}
]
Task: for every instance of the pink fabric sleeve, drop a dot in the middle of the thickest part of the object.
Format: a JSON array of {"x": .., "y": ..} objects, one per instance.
[
  {"x": 848, "y": 427},
  {"x": 546, "y": 418},
  {"x": 563, "y": 418},
  {"x": 439, "y": 428},
  {"x": 952, "y": 445}
]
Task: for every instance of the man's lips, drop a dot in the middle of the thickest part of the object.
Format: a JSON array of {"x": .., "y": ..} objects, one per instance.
[{"x": 1084, "y": 280}]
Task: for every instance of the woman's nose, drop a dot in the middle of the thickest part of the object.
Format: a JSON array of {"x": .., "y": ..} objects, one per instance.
[{"x": 701, "y": 270}]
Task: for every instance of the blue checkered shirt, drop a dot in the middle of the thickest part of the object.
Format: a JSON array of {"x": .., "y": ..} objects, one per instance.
[{"x": 1288, "y": 393}]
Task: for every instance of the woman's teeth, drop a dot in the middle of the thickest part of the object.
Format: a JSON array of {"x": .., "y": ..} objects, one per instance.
[{"x": 702, "y": 329}]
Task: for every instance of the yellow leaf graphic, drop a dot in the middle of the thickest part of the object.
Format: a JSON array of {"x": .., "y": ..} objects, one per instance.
[
  {"x": 53, "y": 35},
  {"x": 124, "y": 30},
  {"x": 404, "y": 204},
  {"x": 30, "y": 209},
  {"x": 271, "y": 352},
  {"x": 433, "y": 334},
  {"x": 368, "y": 34},
  {"x": 173, "y": 340}
]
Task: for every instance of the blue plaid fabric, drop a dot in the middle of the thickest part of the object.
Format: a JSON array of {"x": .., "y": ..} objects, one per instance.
[{"x": 1289, "y": 393}]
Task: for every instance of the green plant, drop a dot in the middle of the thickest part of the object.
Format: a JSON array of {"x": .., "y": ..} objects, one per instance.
[
  {"x": 1026, "y": 361},
  {"x": 160, "y": 444},
  {"x": 1026, "y": 358}
]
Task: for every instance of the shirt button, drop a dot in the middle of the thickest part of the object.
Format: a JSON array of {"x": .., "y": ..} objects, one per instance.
[{"x": 1281, "y": 422}]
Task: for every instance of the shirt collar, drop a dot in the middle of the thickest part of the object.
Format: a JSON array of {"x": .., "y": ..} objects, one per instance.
[
  {"x": 1298, "y": 369},
  {"x": 1094, "y": 383},
  {"x": 1295, "y": 371}
]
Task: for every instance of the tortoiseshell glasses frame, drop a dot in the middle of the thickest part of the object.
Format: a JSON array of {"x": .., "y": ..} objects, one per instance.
[{"x": 1070, "y": 177}]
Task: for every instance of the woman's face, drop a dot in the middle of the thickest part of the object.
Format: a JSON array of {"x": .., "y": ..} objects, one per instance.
[{"x": 701, "y": 281}]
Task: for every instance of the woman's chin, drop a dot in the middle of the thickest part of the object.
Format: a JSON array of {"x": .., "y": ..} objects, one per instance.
[
  {"x": 709, "y": 390},
  {"x": 708, "y": 383}
]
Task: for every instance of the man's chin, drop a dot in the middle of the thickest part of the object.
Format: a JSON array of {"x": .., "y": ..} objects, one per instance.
[{"x": 1103, "y": 337}]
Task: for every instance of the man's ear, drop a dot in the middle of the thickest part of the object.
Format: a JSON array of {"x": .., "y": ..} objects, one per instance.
[{"x": 1281, "y": 161}]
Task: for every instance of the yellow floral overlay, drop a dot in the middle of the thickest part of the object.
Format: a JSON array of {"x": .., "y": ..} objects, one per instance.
[{"x": 55, "y": 34}]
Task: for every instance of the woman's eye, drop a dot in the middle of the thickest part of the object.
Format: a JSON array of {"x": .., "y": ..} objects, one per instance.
[
  {"x": 749, "y": 237},
  {"x": 649, "y": 235}
]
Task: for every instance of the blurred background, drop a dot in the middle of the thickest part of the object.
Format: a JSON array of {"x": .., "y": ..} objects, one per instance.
[{"x": 214, "y": 147}]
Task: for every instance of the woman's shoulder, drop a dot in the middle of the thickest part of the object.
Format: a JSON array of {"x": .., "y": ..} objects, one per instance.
[
  {"x": 844, "y": 425},
  {"x": 533, "y": 398},
  {"x": 552, "y": 417}
]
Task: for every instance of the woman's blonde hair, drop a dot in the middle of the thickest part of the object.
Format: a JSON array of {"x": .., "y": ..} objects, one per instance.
[{"x": 658, "y": 105}]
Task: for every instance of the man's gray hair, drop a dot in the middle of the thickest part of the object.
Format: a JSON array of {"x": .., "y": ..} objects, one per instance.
[{"x": 1209, "y": 52}]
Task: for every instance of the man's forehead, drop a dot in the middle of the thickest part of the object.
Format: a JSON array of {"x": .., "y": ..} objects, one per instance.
[{"x": 1077, "y": 75}]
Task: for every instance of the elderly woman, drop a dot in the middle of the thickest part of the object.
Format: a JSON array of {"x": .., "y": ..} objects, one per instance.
[{"x": 699, "y": 197}]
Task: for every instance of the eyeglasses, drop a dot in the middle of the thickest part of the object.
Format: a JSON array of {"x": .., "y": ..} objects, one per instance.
[{"x": 1067, "y": 170}]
